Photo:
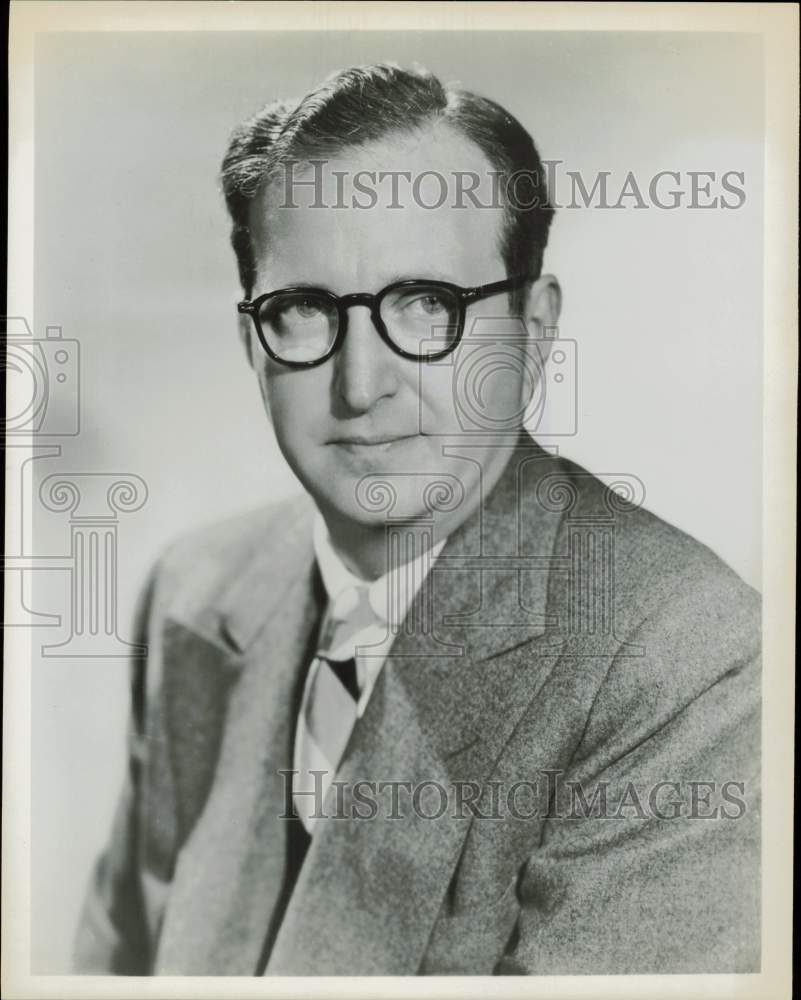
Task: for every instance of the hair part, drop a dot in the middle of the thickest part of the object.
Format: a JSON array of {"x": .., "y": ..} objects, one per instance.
[{"x": 362, "y": 104}]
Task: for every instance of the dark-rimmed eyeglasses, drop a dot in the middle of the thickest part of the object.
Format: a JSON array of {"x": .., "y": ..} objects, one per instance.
[{"x": 303, "y": 326}]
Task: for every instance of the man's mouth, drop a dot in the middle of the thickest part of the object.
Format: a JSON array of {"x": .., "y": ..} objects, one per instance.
[{"x": 364, "y": 442}]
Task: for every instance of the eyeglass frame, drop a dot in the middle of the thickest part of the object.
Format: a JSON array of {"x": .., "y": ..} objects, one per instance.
[{"x": 465, "y": 297}]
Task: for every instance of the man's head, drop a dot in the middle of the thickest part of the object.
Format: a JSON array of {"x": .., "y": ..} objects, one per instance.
[{"x": 367, "y": 410}]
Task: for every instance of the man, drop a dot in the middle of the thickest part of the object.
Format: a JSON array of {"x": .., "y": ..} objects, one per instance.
[{"x": 466, "y": 710}]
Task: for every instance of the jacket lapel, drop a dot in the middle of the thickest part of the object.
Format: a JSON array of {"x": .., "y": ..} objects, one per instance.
[
  {"x": 446, "y": 702},
  {"x": 230, "y": 873}
]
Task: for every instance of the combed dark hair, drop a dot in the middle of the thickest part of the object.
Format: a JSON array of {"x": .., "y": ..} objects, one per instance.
[{"x": 364, "y": 103}]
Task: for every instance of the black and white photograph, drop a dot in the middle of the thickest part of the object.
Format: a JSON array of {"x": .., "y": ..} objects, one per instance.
[{"x": 400, "y": 499}]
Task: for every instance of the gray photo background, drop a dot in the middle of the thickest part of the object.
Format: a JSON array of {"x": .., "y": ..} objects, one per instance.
[{"x": 132, "y": 260}]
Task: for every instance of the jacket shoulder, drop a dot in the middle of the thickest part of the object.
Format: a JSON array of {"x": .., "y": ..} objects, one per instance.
[
  {"x": 682, "y": 620},
  {"x": 199, "y": 567},
  {"x": 654, "y": 560}
]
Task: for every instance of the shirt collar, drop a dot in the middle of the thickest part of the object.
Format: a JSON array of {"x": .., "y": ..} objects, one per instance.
[{"x": 391, "y": 595}]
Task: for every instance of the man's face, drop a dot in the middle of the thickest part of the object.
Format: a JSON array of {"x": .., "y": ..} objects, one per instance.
[{"x": 367, "y": 412}]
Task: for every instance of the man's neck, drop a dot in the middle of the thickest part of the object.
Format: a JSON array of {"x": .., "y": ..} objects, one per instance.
[{"x": 367, "y": 551}]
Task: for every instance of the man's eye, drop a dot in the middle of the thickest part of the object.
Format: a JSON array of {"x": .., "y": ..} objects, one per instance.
[
  {"x": 430, "y": 305},
  {"x": 306, "y": 308}
]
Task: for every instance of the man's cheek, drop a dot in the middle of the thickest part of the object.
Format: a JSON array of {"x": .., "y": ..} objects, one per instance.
[
  {"x": 438, "y": 405},
  {"x": 299, "y": 411},
  {"x": 280, "y": 407},
  {"x": 265, "y": 398}
]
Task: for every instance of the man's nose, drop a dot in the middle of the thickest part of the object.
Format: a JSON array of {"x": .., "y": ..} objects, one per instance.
[{"x": 366, "y": 369}]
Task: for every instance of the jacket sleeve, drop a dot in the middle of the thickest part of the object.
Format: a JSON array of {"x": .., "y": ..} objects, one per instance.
[
  {"x": 655, "y": 866},
  {"x": 114, "y": 937}
]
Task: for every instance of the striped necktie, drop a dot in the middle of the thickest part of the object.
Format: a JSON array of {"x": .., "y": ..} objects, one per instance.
[{"x": 330, "y": 706}]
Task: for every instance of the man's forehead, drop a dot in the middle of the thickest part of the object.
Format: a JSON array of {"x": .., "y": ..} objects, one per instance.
[{"x": 430, "y": 196}]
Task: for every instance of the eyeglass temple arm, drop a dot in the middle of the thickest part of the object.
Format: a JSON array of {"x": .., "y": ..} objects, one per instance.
[{"x": 484, "y": 291}]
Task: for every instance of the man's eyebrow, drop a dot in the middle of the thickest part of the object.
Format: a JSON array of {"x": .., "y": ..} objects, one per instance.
[
  {"x": 424, "y": 273},
  {"x": 322, "y": 285},
  {"x": 419, "y": 274}
]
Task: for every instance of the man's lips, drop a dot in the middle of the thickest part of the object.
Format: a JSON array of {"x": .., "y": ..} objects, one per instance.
[{"x": 371, "y": 441}]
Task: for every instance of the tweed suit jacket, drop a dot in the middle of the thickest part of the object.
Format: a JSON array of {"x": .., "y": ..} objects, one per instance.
[{"x": 567, "y": 644}]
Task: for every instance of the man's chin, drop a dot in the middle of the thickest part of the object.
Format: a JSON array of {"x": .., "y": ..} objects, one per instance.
[
  {"x": 373, "y": 501},
  {"x": 377, "y": 506}
]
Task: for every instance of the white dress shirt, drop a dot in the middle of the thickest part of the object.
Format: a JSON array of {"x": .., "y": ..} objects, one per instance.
[{"x": 390, "y": 597}]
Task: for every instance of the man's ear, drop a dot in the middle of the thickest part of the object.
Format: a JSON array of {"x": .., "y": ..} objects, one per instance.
[
  {"x": 542, "y": 308},
  {"x": 246, "y": 336}
]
